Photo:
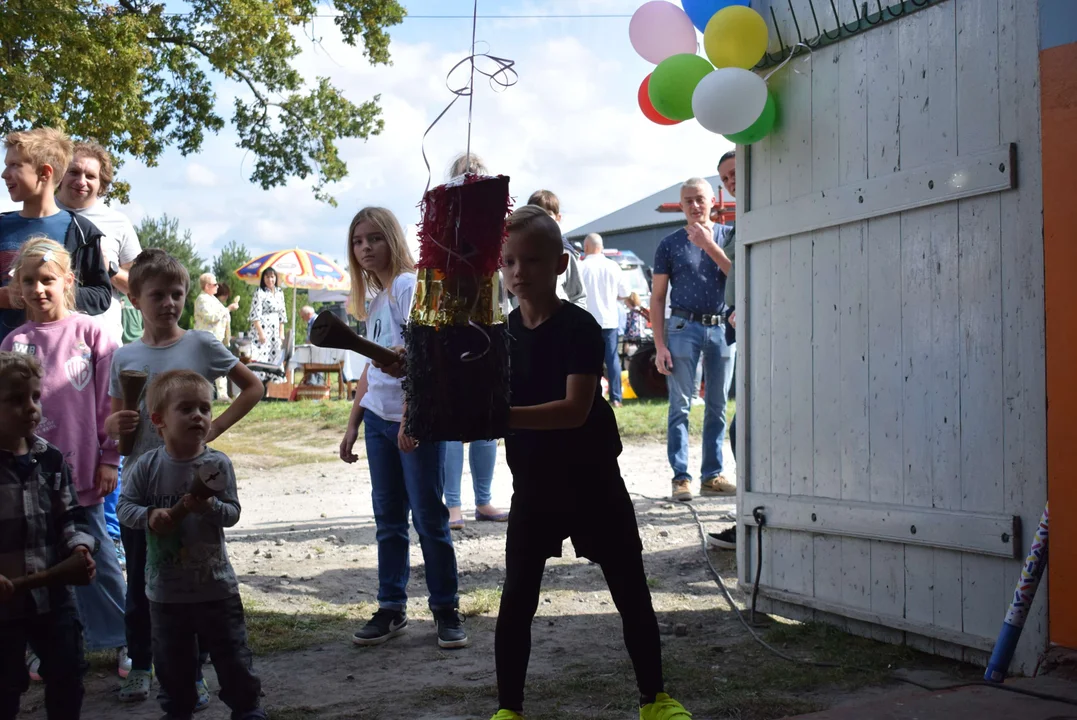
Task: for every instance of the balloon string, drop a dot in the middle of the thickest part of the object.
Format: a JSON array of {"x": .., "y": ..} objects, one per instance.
[
  {"x": 792, "y": 52},
  {"x": 501, "y": 76}
]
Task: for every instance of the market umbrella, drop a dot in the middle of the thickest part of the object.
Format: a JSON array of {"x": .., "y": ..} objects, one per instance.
[{"x": 296, "y": 269}]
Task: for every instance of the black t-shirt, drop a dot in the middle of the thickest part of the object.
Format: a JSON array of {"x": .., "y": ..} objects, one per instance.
[{"x": 568, "y": 343}]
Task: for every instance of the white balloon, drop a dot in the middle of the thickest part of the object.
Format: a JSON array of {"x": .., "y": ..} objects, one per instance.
[{"x": 729, "y": 100}]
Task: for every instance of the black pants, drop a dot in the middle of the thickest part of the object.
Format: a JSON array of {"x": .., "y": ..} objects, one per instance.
[
  {"x": 137, "y": 609},
  {"x": 613, "y": 542},
  {"x": 179, "y": 629},
  {"x": 56, "y": 637},
  {"x": 733, "y": 435}
]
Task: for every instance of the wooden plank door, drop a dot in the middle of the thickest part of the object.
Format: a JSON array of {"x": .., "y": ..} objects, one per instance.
[{"x": 892, "y": 339}]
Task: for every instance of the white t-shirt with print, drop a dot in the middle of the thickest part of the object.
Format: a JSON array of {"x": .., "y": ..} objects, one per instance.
[
  {"x": 119, "y": 245},
  {"x": 385, "y": 326}
]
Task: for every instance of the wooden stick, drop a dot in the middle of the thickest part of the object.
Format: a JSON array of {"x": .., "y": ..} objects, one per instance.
[
  {"x": 72, "y": 571},
  {"x": 132, "y": 383}
]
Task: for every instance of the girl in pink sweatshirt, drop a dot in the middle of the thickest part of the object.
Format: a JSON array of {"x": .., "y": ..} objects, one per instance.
[{"x": 75, "y": 352}]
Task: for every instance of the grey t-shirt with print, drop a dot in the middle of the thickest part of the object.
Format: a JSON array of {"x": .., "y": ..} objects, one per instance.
[
  {"x": 196, "y": 350},
  {"x": 190, "y": 564}
]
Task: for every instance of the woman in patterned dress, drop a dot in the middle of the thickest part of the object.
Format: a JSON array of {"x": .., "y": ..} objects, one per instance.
[{"x": 267, "y": 322}]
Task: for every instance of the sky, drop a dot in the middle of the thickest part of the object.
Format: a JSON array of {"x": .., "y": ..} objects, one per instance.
[{"x": 571, "y": 124}]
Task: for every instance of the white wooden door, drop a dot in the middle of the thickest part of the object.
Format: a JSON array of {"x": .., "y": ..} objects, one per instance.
[{"x": 891, "y": 379}]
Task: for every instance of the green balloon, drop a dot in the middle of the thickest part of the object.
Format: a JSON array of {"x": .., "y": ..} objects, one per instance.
[
  {"x": 674, "y": 81},
  {"x": 761, "y": 127}
]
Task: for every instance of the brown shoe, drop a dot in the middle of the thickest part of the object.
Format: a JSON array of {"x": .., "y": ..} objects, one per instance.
[
  {"x": 717, "y": 486},
  {"x": 682, "y": 491}
]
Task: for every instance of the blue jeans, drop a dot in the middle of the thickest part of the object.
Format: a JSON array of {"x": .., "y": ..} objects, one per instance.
[
  {"x": 401, "y": 482},
  {"x": 687, "y": 342},
  {"x": 613, "y": 363},
  {"x": 483, "y": 457},
  {"x": 111, "y": 521},
  {"x": 101, "y": 603}
]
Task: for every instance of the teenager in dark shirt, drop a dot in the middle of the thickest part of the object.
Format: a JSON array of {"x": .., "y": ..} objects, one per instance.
[{"x": 558, "y": 412}]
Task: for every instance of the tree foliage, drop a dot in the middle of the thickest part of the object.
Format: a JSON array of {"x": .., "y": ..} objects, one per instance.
[
  {"x": 137, "y": 75},
  {"x": 164, "y": 233},
  {"x": 233, "y": 256}
]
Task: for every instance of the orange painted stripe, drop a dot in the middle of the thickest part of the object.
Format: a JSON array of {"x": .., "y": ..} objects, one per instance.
[{"x": 1058, "y": 98}]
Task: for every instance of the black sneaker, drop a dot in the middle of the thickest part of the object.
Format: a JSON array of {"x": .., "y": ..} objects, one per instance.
[
  {"x": 725, "y": 540},
  {"x": 450, "y": 627},
  {"x": 384, "y": 625}
]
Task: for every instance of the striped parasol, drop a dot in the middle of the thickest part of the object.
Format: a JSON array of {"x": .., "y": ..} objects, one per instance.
[{"x": 297, "y": 269}]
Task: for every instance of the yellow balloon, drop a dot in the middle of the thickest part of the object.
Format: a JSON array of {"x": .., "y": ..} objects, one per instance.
[{"x": 735, "y": 37}]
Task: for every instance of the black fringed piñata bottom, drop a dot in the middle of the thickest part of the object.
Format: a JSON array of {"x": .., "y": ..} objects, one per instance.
[{"x": 450, "y": 398}]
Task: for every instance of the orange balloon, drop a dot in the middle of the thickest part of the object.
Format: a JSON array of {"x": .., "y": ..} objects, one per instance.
[{"x": 647, "y": 107}]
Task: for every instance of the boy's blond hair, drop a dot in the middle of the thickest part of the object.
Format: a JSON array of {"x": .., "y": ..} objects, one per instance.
[
  {"x": 44, "y": 146},
  {"x": 535, "y": 222},
  {"x": 93, "y": 149},
  {"x": 164, "y": 387},
  {"x": 20, "y": 365},
  {"x": 39, "y": 250},
  {"x": 400, "y": 262},
  {"x": 153, "y": 263}
]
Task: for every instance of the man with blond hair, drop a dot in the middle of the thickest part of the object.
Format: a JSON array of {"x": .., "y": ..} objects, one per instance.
[
  {"x": 82, "y": 189},
  {"x": 34, "y": 162},
  {"x": 690, "y": 270}
]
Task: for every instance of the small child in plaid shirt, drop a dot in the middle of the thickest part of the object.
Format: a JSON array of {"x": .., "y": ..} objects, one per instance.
[{"x": 41, "y": 523}]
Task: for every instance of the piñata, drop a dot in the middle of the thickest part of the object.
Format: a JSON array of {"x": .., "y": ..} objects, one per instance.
[{"x": 457, "y": 384}]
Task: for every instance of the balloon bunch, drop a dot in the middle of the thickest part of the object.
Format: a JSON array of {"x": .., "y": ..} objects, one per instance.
[{"x": 722, "y": 93}]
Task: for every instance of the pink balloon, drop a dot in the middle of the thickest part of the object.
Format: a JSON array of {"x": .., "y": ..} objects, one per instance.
[{"x": 659, "y": 30}]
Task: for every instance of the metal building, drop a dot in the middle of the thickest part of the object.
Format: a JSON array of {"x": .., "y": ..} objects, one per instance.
[{"x": 639, "y": 227}]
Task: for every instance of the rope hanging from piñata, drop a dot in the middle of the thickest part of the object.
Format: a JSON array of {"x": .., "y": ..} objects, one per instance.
[{"x": 457, "y": 383}]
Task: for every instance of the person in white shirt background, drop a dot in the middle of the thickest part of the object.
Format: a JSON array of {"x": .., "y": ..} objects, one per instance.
[
  {"x": 87, "y": 179},
  {"x": 605, "y": 289}
]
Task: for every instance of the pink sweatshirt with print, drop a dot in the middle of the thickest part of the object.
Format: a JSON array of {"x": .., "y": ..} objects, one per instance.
[{"x": 76, "y": 354}]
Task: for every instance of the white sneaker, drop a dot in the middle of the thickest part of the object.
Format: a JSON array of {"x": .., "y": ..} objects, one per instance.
[{"x": 123, "y": 662}]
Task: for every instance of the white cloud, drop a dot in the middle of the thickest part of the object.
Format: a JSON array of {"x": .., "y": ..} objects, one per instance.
[{"x": 199, "y": 174}]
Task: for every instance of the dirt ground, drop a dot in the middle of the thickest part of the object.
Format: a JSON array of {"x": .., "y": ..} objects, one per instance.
[{"x": 306, "y": 556}]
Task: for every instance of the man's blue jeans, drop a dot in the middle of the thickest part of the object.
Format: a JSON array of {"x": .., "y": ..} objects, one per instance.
[
  {"x": 613, "y": 363},
  {"x": 401, "y": 482},
  {"x": 687, "y": 342},
  {"x": 483, "y": 456}
]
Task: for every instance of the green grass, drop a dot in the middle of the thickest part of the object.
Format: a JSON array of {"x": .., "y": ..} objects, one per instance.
[
  {"x": 482, "y": 601},
  {"x": 276, "y": 434},
  {"x": 269, "y": 631},
  {"x": 646, "y": 419}
]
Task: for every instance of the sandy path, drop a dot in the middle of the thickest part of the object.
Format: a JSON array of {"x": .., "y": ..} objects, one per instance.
[{"x": 305, "y": 543}]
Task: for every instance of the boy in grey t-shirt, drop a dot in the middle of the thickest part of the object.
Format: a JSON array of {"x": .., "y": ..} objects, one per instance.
[
  {"x": 183, "y": 495},
  {"x": 158, "y": 286}
]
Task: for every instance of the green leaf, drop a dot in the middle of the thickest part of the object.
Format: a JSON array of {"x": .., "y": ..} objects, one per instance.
[{"x": 139, "y": 77}]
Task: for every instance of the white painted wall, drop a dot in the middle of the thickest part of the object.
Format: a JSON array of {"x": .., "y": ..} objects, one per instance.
[{"x": 898, "y": 360}]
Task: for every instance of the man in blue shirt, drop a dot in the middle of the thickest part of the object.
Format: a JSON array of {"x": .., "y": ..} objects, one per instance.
[{"x": 691, "y": 268}]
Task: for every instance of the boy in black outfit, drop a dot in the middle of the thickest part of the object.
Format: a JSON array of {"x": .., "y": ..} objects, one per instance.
[{"x": 558, "y": 411}]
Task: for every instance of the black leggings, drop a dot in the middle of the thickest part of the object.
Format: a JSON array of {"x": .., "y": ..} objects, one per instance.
[{"x": 627, "y": 582}]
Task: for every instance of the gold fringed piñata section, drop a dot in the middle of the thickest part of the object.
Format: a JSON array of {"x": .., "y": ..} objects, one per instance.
[{"x": 459, "y": 300}]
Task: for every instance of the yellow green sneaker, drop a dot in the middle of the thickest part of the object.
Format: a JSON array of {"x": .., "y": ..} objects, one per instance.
[
  {"x": 663, "y": 708},
  {"x": 507, "y": 715}
]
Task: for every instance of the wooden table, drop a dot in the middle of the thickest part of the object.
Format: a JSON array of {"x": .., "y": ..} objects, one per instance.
[{"x": 337, "y": 367}]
